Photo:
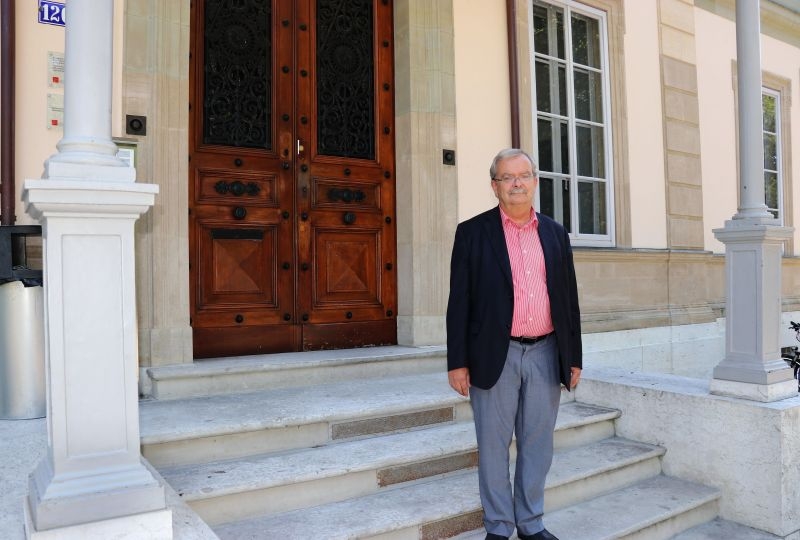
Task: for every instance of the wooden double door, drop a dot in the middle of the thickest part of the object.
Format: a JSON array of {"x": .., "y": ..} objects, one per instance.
[{"x": 292, "y": 176}]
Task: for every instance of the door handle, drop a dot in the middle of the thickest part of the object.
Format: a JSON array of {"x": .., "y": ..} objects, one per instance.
[{"x": 300, "y": 147}]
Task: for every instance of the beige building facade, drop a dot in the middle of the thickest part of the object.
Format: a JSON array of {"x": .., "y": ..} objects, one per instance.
[
  {"x": 648, "y": 146},
  {"x": 639, "y": 114}
]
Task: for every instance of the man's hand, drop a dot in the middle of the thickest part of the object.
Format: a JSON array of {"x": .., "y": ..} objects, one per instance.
[
  {"x": 576, "y": 376},
  {"x": 459, "y": 380}
]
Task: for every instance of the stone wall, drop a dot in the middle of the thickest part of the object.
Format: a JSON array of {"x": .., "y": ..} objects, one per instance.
[
  {"x": 624, "y": 289},
  {"x": 746, "y": 449}
]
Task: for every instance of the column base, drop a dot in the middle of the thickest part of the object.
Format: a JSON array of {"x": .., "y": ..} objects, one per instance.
[
  {"x": 71, "y": 499},
  {"x": 155, "y": 525},
  {"x": 765, "y": 393},
  {"x": 754, "y": 372},
  {"x": 113, "y": 170}
]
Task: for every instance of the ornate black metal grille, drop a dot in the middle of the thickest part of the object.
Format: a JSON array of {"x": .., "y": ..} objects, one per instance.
[
  {"x": 237, "y": 73},
  {"x": 345, "y": 82}
]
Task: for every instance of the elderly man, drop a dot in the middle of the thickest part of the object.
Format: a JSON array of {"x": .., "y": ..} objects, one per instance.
[{"x": 513, "y": 338}]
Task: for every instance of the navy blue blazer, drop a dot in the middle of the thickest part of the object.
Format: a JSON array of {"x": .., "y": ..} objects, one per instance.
[{"x": 481, "y": 304}]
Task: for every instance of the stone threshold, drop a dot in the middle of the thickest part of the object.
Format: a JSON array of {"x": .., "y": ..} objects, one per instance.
[
  {"x": 294, "y": 360},
  {"x": 287, "y": 370}
]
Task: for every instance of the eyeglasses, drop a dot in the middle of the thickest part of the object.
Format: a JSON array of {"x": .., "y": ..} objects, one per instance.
[{"x": 509, "y": 178}]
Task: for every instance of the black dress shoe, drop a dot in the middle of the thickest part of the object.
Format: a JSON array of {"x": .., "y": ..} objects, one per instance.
[
  {"x": 491, "y": 536},
  {"x": 544, "y": 534}
]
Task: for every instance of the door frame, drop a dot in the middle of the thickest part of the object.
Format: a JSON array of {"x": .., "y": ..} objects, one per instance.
[
  {"x": 280, "y": 320},
  {"x": 155, "y": 84}
]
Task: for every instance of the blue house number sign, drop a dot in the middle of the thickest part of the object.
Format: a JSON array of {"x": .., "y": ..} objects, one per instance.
[{"x": 52, "y": 13}]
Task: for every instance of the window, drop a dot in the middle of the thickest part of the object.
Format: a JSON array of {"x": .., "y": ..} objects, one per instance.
[
  {"x": 771, "y": 126},
  {"x": 571, "y": 102}
]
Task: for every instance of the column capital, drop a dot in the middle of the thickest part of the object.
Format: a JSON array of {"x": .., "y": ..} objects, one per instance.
[{"x": 86, "y": 198}]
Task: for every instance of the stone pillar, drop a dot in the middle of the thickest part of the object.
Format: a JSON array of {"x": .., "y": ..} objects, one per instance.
[
  {"x": 92, "y": 482},
  {"x": 156, "y": 85},
  {"x": 752, "y": 367},
  {"x": 427, "y": 205},
  {"x": 751, "y": 143},
  {"x": 87, "y": 106}
]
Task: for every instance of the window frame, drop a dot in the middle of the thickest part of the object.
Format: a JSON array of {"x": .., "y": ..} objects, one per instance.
[
  {"x": 776, "y": 95},
  {"x": 569, "y": 7}
]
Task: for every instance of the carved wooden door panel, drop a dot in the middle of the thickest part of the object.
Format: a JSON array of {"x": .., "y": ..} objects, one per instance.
[{"x": 292, "y": 233}]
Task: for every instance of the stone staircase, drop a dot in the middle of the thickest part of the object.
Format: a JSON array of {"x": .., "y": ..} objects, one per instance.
[{"x": 373, "y": 443}]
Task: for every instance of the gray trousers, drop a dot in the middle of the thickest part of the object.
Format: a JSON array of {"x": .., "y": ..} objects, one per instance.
[{"x": 524, "y": 400}]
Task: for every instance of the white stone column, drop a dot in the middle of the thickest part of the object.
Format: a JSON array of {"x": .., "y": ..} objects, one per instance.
[
  {"x": 752, "y": 367},
  {"x": 751, "y": 143},
  {"x": 92, "y": 482},
  {"x": 87, "y": 97}
]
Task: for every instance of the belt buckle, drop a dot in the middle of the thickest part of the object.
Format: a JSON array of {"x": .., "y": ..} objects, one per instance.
[{"x": 526, "y": 340}]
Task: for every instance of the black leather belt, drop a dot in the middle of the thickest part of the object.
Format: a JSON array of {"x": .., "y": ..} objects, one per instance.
[{"x": 525, "y": 340}]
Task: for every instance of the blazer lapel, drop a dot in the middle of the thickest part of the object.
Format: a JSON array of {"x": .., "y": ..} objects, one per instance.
[{"x": 497, "y": 239}]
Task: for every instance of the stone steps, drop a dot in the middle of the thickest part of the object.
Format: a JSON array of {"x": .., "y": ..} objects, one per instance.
[
  {"x": 200, "y": 430},
  {"x": 382, "y": 451},
  {"x": 290, "y": 370},
  {"x": 272, "y": 483},
  {"x": 655, "y": 508}
]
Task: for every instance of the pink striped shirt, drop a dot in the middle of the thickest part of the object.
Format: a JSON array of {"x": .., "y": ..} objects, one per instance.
[{"x": 528, "y": 272}]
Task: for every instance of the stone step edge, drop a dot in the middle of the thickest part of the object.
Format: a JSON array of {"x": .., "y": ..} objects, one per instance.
[
  {"x": 701, "y": 496},
  {"x": 386, "y": 453},
  {"x": 341, "y": 403},
  {"x": 599, "y": 414},
  {"x": 460, "y": 492},
  {"x": 266, "y": 425},
  {"x": 460, "y": 435},
  {"x": 463, "y": 488},
  {"x": 624, "y": 463},
  {"x": 447, "y": 400},
  {"x": 578, "y": 476},
  {"x": 238, "y": 365}
]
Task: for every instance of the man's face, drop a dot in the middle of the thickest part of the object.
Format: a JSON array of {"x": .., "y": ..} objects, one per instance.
[{"x": 510, "y": 184}]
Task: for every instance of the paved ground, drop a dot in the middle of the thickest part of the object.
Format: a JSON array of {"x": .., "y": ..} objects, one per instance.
[{"x": 22, "y": 445}]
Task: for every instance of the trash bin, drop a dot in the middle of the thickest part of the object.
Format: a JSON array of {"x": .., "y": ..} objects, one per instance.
[
  {"x": 22, "y": 373},
  {"x": 22, "y": 393}
]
